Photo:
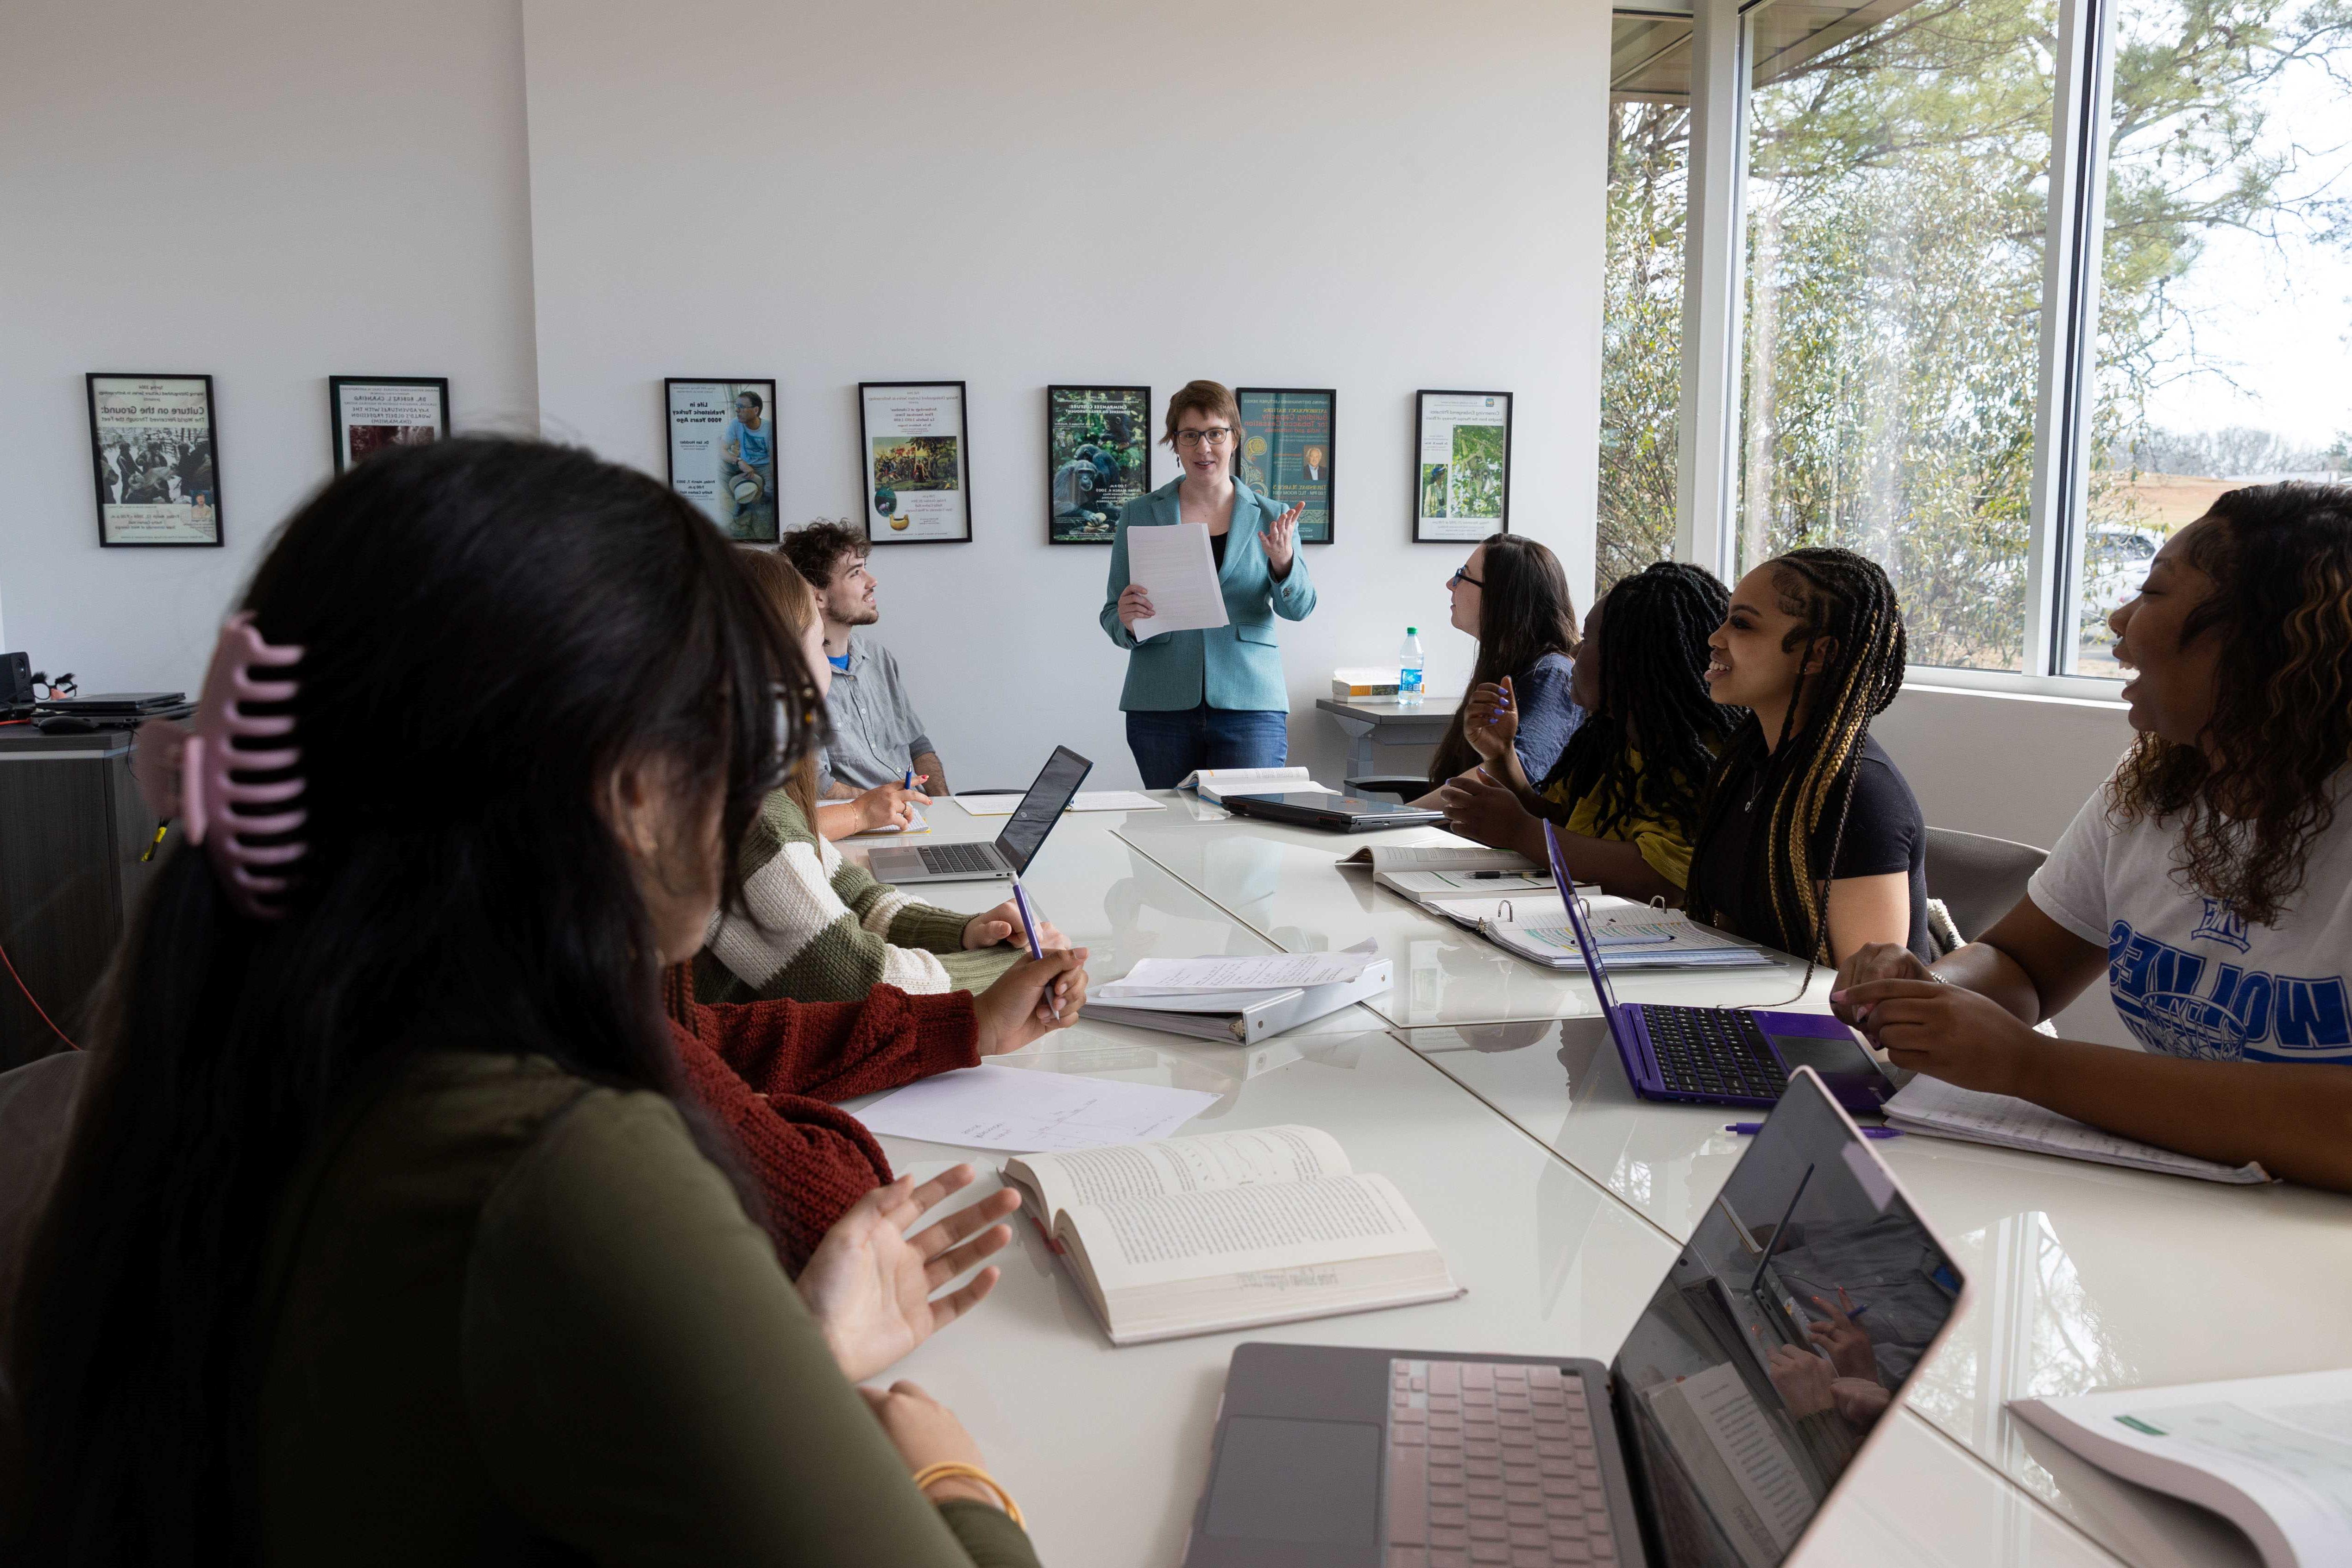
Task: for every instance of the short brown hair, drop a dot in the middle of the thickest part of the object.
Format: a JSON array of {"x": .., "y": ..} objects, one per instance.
[
  {"x": 1208, "y": 397},
  {"x": 816, "y": 549}
]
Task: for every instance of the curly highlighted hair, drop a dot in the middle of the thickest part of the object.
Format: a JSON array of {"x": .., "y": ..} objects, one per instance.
[{"x": 2259, "y": 786}]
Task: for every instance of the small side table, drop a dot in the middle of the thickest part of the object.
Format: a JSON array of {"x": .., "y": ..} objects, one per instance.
[{"x": 1370, "y": 721}]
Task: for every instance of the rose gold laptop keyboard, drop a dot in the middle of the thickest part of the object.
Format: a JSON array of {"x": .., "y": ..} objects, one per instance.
[{"x": 1492, "y": 1462}]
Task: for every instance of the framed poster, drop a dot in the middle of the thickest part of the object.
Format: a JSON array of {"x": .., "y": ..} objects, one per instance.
[
  {"x": 1286, "y": 449},
  {"x": 373, "y": 412},
  {"x": 1462, "y": 466},
  {"x": 722, "y": 452},
  {"x": 913, "y": 446},
  {"x": 1098, "y": 459},
  {"x": 157, "y": 460}
]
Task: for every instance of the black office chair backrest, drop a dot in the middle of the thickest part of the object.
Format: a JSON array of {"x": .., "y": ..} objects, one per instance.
[
  {"x": 1978, "y": 879},
  {"x": 37, "y": 1106}
]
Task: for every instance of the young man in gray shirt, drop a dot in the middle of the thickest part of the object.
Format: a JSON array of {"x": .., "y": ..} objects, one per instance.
[{"x": 878, "y": 738}]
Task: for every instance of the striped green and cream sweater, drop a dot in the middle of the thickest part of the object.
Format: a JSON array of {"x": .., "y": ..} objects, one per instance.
[{"x": 824, "y": 930}]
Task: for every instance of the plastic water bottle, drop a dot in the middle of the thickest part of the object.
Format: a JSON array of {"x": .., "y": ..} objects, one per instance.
[{"x": 1409, "y": 663}]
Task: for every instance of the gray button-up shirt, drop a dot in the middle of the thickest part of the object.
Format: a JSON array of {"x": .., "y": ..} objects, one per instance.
[{"x": 876, "y": 735}]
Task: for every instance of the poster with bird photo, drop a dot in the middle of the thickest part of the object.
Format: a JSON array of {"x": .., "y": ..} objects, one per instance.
[
  {"x": 1462, "y": 466},
  {"x": 916, "y": 453},
  {"x": 1097, "y": 459}
]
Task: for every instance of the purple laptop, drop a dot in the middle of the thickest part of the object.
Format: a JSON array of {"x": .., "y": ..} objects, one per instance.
[{"x": 1722, "y": 1056}]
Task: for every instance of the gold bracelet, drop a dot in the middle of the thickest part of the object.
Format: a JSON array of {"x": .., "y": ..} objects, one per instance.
[{"x": 946, "y": 1469}]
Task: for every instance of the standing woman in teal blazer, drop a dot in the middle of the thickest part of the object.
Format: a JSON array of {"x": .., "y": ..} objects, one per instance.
[{"x": 1213, "y": 699}]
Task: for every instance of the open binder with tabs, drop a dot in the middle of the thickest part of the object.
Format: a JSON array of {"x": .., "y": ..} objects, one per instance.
[{"x": 1635, "y": 937}]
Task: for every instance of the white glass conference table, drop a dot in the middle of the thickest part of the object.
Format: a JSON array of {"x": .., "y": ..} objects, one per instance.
[
  {"x": 2087, "y": 1277},
  {"x": 1283, "y": 883},
  {"x": 1108, "y": 1449}
]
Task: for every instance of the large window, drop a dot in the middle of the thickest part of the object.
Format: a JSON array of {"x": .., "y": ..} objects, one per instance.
[
  {"x": 2225, "y": 304},
  {"x": 1896, "y": 183},
  {"x": 2006, "y": 291},
  {"x": 1642, "y": 312}
]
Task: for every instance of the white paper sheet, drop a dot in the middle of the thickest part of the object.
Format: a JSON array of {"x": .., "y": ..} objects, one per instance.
[
  {"x": 1085, "y": 800},
  {"x": 920, "y": 824},
  {"x": 1273, "y": 971},
  {"x": 1025, "y": 1112},
  {"x": 1173, "y": 562},
  {"x": 1941, "y": 1109}
]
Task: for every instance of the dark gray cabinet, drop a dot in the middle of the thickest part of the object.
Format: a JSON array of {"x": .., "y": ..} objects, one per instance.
[{"x": 72, "y": 828}]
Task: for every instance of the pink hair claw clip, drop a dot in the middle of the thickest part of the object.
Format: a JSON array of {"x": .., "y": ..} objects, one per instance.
[{"x": 186, "y": 772}]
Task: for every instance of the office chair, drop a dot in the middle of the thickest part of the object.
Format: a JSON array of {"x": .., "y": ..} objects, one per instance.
[{"x": 1978, "y": 879}]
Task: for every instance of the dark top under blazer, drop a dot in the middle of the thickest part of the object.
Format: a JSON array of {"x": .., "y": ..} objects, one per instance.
[{"x": 1237, "y": 665}]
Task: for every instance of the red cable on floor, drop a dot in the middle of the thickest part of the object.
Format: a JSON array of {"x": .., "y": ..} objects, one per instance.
[{"x": 37, "y": 1005}]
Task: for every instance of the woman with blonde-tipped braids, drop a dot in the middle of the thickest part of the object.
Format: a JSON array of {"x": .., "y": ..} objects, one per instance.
[{"x": 1810, "y": 841}]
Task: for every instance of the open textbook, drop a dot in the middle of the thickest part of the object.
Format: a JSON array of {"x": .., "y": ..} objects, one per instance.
[
  {"x": 1940, "y": 1109},
  {"x": 1215, "y": 783},
  {"x": 1228, "y": 1230},
  {"x": 2271, "y": 1455}
]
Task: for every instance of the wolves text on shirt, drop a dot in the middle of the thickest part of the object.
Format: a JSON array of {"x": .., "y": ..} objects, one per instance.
[{"x": 2188, "y": 1004}]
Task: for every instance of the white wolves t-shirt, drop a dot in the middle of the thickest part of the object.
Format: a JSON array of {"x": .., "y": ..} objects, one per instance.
[{"x": 2190, "y": 977}]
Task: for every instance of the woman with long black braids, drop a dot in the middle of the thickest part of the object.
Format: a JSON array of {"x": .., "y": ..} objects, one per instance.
[
  {"x": 1626, "y": 792},
  {"x": 1812, "y": 840}
]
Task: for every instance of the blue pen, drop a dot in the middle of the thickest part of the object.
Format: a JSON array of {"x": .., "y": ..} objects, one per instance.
[
  {"x": 910, "y": 782},
  {"x": 1029, "y": 930},
  {"x": 1753, "y": 1128}
]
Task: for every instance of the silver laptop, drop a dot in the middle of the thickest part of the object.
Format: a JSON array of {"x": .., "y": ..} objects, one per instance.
[
  {"x": 1712, "y": 1441},
  {"x": 1057, "y": 784}
]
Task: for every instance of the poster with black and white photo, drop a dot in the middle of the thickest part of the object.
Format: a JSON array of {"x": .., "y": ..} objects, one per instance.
[
  {"x": 1462, "y": 466},
  {"x": 152, "y": 441},
  {"x": 722, "y": 453},
  {"x": 377, "y": 413},
  {"x": 912, "y": 443}
]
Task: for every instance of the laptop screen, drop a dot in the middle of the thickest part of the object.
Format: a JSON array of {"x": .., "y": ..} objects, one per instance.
[
  {"x": 1592, "y": 965},
  {"x": 1058, "y": 783},
  {"x": 1790, "y": 1326}
]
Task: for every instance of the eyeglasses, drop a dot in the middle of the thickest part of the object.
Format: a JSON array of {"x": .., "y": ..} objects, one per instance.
[
  {"x": 1462, "y": 575},
  {"x": 1214, "y": 436}
]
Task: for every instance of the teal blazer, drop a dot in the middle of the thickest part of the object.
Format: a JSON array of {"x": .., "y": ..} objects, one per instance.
[{"x": 1237, "y": 665}]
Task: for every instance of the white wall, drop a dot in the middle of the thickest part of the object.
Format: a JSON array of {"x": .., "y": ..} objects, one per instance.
[
  {"x": 291, "y": 190},
  {"x": 271, "y": 192},
  {"x": 1371, "y": 196}
]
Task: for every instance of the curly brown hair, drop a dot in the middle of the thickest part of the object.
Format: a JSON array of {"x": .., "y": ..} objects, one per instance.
[
  {"x": 2259, "y": 786},
  {"x": 817, "y": 549}
]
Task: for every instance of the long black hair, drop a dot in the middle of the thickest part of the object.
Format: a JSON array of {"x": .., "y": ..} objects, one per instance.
[
  {"x": 489, "y": 628},
  {"x": 1655, "y": 623},
  {"x": 1525, "y": 612},
  {"x": 1844, "y": 603}
]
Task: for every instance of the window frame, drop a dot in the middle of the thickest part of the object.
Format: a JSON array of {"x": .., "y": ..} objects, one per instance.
[{"x": 1707, "y": 420}]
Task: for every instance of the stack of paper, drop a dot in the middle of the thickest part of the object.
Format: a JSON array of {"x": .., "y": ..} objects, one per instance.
[{"x": 1242, "y": 999}]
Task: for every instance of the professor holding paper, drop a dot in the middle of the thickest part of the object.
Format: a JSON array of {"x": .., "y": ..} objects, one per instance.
[{"x": 1199, "y": 569}]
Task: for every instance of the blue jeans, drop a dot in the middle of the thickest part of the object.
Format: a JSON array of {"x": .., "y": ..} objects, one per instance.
[{"x": 1168, "y": 745}]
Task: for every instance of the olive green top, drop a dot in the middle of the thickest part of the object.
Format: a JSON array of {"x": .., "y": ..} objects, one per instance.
[{"x": 506, "y": 1306}]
